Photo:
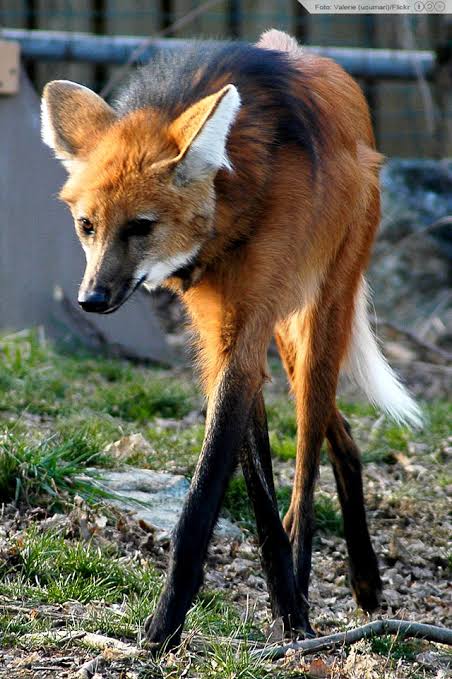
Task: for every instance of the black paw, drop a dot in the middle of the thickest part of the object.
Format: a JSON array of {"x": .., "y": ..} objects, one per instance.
[
  {"x": 159, "y": 640},
  {"x": 367, "y": 591},
  {"x": 298, "y": 627}
]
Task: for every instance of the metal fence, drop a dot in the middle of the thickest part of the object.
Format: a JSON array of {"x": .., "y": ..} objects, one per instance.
[{"x": 405, "y": 112}]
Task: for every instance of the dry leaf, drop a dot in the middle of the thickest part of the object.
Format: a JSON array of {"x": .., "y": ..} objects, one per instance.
[{"x": 319, "y": 669}]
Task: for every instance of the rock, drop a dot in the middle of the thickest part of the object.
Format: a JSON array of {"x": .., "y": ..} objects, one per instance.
[
  {"x": 155, "y": 497},
  {"x": 434, "y": 659},
  {"x": 128, "y": 446},
  {"x": 256, "y": 582},
  {"x": 399, "y": 352},
  {"x": 240, "y": 567},
  {"x": 392, "y": 597}
]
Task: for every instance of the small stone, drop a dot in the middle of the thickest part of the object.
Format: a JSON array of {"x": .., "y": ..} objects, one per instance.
[
  {"x": 241, "y": 566},
  {"x": 129, "y": 446},
  {"x": 256, "y": 582}
]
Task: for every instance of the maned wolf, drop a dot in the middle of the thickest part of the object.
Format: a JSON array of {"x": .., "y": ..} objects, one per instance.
[{"x": 245, "y": 178}]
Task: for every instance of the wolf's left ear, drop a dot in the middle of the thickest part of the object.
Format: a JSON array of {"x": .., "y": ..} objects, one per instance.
[
  {"x": 201, "y": 134},
  {"x": 72, "y": 117}
]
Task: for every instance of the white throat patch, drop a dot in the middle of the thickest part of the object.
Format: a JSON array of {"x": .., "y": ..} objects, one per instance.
[{"x": 157, "y": 272}]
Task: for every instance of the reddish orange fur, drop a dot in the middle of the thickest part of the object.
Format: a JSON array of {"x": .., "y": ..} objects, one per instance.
[
  {"x": 281, "y": 244},
  {"x": 311, "y": 238}
]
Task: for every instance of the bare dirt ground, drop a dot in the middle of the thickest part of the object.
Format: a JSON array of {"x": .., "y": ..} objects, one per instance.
[
  {"x": 407, "y": 510},
  {"x": 48, "y": 630}
]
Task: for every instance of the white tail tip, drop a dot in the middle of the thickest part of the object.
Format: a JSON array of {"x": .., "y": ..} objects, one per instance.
[{"x": 369, "y": 369}]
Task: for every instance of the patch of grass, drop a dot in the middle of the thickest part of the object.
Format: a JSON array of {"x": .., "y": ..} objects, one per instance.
[
  {"x": 42, "y": 472},
  {"x": 47, "y": 568},
  {"x": 12, "y": 628},
  {"x": 388, "y": 439},
  {"x": 175, "y": 447},
  {"x": 396, "y": 648},
  {"x": 438, "y": 419},
  {"x": 237, "y": 503},
  {"x": 226, "y": 661},
  {"x": 328, "y": 518},
  {"x": 38, "y": 378},
  {"x": 281, "y": 417},
  {"x": 97, "y": 431},
  {"x": 58, "y": 570},
  {"x": 284, "y": 447},
  {"x": 141, "y": 401},
  {"x": 214, "y": 615},
  {"x": 357, "y": 409}
]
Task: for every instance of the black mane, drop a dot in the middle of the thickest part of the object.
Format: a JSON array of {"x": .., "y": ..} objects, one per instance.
[{"x": 177, "y": 78}]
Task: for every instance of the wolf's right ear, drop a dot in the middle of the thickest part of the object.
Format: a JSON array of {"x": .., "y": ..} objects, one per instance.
[
  {"x": 201, "y": 133},
  {"x": 72, "y": 117}
]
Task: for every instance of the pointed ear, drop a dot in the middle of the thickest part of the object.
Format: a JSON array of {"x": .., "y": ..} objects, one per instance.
[
  {"x": 201, "y": 134},
  {"x": 71, "y": 117}
]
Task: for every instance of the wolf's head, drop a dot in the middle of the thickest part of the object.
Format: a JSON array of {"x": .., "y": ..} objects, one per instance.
[{"x": 140, "y": 187}]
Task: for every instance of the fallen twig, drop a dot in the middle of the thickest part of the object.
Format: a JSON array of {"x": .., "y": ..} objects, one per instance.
[
  {"x": 440, "y": 635},
  {"x": 97, "y": 641},
  {"x": 90, "y": 667}
]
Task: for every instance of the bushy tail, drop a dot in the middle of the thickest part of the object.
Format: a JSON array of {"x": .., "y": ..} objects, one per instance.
[{"x": 369, "y": 369}]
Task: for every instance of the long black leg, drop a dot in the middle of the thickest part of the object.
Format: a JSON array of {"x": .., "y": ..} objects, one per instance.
[
  {"x": 227, "y": 421},
  {"x": 275, "y": 549},
  {"x": 345, "y": 458}
]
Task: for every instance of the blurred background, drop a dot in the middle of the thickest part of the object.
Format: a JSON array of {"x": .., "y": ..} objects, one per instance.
[{"x": 403, "y": 110}]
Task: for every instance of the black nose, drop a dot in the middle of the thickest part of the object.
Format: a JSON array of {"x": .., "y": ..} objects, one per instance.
[{"x": 96, "y": 300}]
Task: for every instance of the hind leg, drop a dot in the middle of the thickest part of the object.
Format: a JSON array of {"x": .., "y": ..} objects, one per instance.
[
  {"x": 312, "y": 351},
  {"x": 287, "y": 352},
  {"x": 345, "y": 458}
]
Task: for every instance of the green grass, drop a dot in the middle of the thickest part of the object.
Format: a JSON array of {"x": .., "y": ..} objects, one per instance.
[
  {"x": 175, "y": 447},
  {"x": 59, "y": 570},
  {"x": 89, "y": 401},
  {"x": 33, "y": 473},
  {"x": 396, "y": 648},
  {"x": 37, "y": 378},
  {"x": 49, "y": 568},
  {"x": 327, "y": 515},
  {"x": 58, "y": 411},
  {"x": 224, "y": 661}
]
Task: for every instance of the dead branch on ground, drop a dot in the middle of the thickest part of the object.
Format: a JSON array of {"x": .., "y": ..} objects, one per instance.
[{"x": 418, "y": 630}]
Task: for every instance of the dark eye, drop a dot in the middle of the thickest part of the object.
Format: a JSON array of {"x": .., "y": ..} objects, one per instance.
[
  {"x": 86, "y": 226},
  {"x": 139, "y": 227}
]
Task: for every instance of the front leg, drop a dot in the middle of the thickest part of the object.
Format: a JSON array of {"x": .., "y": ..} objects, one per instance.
[
  {"x": 275, "y": 550},
  {"x": 227, "y": 419}
]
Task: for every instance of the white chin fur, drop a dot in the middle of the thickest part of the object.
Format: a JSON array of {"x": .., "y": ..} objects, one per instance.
[{"x": 157, "y": 272}]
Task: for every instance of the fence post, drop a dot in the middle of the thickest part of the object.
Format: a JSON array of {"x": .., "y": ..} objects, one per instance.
[
  {"x": 301, "y": 22},
  {"x": 234, "y": 18},
  {"x": 442, "y": 88}
]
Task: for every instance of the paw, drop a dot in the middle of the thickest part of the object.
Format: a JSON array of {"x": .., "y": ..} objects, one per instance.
[
  {"x": 298, "y": 627},
  {"x": 158, "y": 639},
  {"x": 367, "y": 591}
]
